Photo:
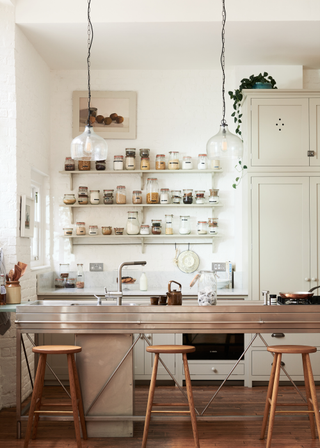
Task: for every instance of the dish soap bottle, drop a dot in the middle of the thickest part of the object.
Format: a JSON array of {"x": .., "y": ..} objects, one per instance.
[{"x": 143, "y": 282}]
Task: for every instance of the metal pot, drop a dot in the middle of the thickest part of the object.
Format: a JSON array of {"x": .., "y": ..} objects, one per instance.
[
  {"x": 299, "y": 294},
  {"x": 175, "y": 296}
]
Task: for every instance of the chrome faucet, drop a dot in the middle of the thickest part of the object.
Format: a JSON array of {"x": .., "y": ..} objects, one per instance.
[{"x": 118, "y": 294}]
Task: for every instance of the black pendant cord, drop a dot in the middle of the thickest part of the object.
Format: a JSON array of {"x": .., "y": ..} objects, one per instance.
[
  {"x": 90, "y": 40},
  {"x": 222, "y": 62}
]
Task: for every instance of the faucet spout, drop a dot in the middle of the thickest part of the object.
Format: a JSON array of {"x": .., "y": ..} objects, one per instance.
[{"x": 125, "y": 263}]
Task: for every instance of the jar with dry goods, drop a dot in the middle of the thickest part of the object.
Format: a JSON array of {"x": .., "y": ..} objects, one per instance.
[
  {"x": 160, "y": 162},
  {"x": 214, "y": 196},
  {"x": 133, "y": 225},
  {"x": 69, "y": 164},
  {"x": 81, "y": 229},
  {"x": 64, "y": 270},
  {"x": 156, "y": 226},
  {"x": 144, "y": 152},
  {"x": 118, "y": 163},
  {"x": 200, "y": 197},
  {"x": 169, "y": 225},
  {"x": 174, "y": 163},
  {"x": 94, "y": 197},
  {"x": 84, "y": 165},
  {"x": 176, "y": 196},
  {"x": 137, "y": 197},
  {"x": 106, "y": 230},
  {"x": 130, "y": 158},
  {"x": 145, "y": 163},
  {"x": 70, "y": 282},
  {"x": 152, "y": 191},
  {"x": 202, "y": 161},
  {"x": 187, "y": 163},
  {"x": 108, "y": 196},
  {"x": 93, "y": 230},
  {"x": 187, "y": 196},
  {"x": 144, "y": 229},
  {"x": 121, "y": 194},
  {"x": 202, "y": 227},
  {"x": 213, "y": 226},
  {"x": 118, "y": 230},
  {"x": 100, "y": 165},
  {"x": 184, "y": 225},
  {"x": 69, "y": 199},
  {"x": 83, "y": 195},
  {"x": 67, "y": 231},
  {"x": 80, "y": 277},
  {"x": 164, "y": 196},
  {"x": 59, "y": 282}
]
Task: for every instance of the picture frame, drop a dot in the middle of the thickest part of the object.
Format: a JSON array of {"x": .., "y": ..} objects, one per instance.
[
  {"x": 123, "y": 104},
  {"x": 26, "y": 217}
]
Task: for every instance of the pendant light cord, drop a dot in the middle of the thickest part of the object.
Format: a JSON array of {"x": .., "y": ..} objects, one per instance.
[
  {"x": 222, "y": 62},
  {"x": 90, "y": 40}
]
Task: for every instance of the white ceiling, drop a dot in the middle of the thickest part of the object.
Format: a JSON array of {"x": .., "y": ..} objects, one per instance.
[{"x": 172, "y": 34}]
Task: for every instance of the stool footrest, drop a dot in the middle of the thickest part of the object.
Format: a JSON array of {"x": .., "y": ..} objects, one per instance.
[
  {"x": 170, "y": 404},
  {"x": 53, "y": 412},
  {"x": 170, "y": 412}
]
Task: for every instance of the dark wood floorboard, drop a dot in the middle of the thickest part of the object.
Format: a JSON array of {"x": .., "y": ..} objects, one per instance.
[{"x": 234, "y": 400}]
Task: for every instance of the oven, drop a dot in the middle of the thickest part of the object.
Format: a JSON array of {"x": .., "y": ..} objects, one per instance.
[{"x": 222, "y": 346}]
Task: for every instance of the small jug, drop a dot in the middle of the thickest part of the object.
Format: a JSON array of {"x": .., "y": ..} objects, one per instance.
[{"x": 175, "y": 296}]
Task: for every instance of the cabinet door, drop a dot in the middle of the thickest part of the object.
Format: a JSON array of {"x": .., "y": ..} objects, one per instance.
[
  {"x": 315, "y": 131},
  {"x": 314, "y": 229},
  {"x": 279, "y": 132},
  {"x": 280, "y": 242}
]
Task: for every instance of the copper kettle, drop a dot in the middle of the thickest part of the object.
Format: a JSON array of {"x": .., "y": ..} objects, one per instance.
[{"x": 175, "y": 296}]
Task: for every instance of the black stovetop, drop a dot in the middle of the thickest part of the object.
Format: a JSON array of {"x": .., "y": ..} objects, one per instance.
[{"x": 314, "y": 300}]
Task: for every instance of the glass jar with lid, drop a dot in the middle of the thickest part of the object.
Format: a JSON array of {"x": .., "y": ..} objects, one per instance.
[
  {"x": 200, "y": 196},
  {"x": 69, "y": 164},
  {"x": 59, "y": 282},
  {"x": 80, "y": 276},
  {"x": 214, "y": 196},
  {"x": 184, "y": 225},
  {"x": 187, "y": 163},
  {"x": 93, "y": 230},
  {"x": 174, "y": 163},
  {"x": 130, "y": 158},
  {"x": 152, "y": 191},
  {"x": 70, "y": 282},
  {"x": 169, "y": 225},
  {"x": 101, "y": 165},
  {"x": 145, "y": 163},
  {"x": 144, "y": 229},
  {"x": 94, "y": 197},
  {"x": 80, "y": 228},
  {"x": 108, "y": 196},
  {"x": 160, "y": 162},
  {"x": 164, "y": 196},
  {"x": 202, "y": 161},
  {"x": 175, "y": 196},
  {"x": 84, "y": 165},
  {"x": 69, "y": 199},
  {"x": 156, "y": 226},
  {"x": 187, "y": 196},
  {"x": 207, "y": 288},
  {"x": 83, "y": 195},
  {"x": 145, "y": 152},
  {"x": 64, "y": 270},
  {"x": 118, "y": 230},
  {"x": 202, "y": 227},
  {"x": 121, "y": 194},
  {"x": 67, "y": 231},
  {"x": 213, "y": 226},
  {"x": 118, "y": 163},
  {"x": 137, "y": 197},
  {"x": 133, "y": 225},
  {"x": 106, "y": 230}
]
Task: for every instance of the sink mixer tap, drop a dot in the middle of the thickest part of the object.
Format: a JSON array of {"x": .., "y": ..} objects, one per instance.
[{"x": 118, "y": 294}]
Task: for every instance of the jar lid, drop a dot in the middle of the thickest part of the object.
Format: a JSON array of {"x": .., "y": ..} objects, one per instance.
[
  {"x": 187, "y": 158},
  {"x": 83, "y": 188},
  {"x": 145, "y": 226},
  {"x": 200, "y": 191},
  {"x": 173, "y": 152},
  {"x": 202, "y": 222},
  {"x": 70, "y": 279},
  {"x": 145, "y": 157},
  {"x": 164, "y": 189},
  {"x": 80, "y": 223},
  {"x": 160, "y": 155},
  {"x": 130, "y": 149},
  {"x": 68, "y": 194},
  {"x": 93, "y": 227},
  {"x": 184, "y": 216},
  {"x": 137, "y": 192},
  {"x": 156, "y": 220},
  {"x": 202, "y": 155},
  {"x": 106, "y": 227},
  {"x": 108, "y": 191},
  {"x": 188, "y": 189},
  {"x": 58, "y": 279},
  {"x": 152, "y": 178},
  {"x": 175, "y": 191},
  {"x": 69, "y": 158},
  {"x": 94, "y": 191},
  {"x": 101, "y": 161},
  {"x": 118, "y": 157},
  {"x": 121, "y": 187}
]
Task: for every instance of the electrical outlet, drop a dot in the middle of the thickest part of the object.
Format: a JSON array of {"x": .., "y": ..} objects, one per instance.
[
  {"x": 219, "y": 267},
  {"x": 96, "y": 267}
]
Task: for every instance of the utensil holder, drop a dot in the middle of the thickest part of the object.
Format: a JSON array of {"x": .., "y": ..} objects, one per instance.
[{"x": 13, "y": 291}]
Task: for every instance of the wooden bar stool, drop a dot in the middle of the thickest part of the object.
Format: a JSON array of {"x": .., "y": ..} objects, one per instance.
[
  {"x": 271, "y": 402},
  {"x": 75, "y": 392},
  {"x": 183, "y": 349}
]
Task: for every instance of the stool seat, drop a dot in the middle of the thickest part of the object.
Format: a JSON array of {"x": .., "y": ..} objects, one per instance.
[
  {"x": 294, "y": 349},
  {"x": 57, "y": 349},
  {"x": 170, "y": 349}
]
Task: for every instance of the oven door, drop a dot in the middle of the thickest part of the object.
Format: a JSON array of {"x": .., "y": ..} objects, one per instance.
[{"x": 224, "y": 346}]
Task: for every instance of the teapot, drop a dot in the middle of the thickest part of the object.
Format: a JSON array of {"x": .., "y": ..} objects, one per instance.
[{"x": 175, "y": 296}]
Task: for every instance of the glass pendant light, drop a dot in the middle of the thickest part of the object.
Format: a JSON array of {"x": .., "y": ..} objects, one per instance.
[
  {"x": 224, "y": 143},
  {"x": 89, "y": 145}
]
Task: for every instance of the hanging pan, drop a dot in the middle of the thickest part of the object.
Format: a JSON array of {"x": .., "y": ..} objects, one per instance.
[{"x": 188, "y": 261}]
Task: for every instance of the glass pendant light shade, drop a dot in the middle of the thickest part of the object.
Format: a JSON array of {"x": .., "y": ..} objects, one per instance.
[
  {"x": 89, "y": 146},
  {"x": 224, "y": 145}
]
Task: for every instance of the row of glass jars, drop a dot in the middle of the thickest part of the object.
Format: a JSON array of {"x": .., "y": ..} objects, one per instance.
[
  {"x": 83, "y": 165},
  {"x": 64, "y": 281}
]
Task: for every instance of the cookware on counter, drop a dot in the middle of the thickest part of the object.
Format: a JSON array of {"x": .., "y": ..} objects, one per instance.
[{"x": 174, "y": 297}]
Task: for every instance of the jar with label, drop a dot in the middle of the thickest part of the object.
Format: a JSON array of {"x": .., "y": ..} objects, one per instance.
[
  {"x": 164, "y": 196},
  {"x": 118, "y": 163},
  {"x": 106, "y": 230},
  {"x": 156, "y": 226},
  {"x": 187, "y": 196},
  {"x": 121, "y": 194},
  {"x": 173, "y": 160},
  {"x": 145, "y": 152},
  {"x": 93, "y": 230},
  {"x": 83, "y": 190},
  {"x": 145, "y": 163},
  {"x": 133, "y": 225},
  {"x": 70, "y": 282},
  {"x": 207, "y": 288},
  {"x": 144, "y": 229},
  {"x": 69, "y": 164},
  {"x": 152, "y": 191},
  {"x": 187, "y": 163},
  {"x": 108, "y": 196},
  {"x": 83, "y": 199},
  {"x": 80, "y": 277},
  {"x": 101, "y": 165},
  {"x": 118, "y": 230},
  {"x": 160, "y": 162},
  {"x": 169, "y": 226},
  {"x": 59, "y": 282},
  {"x": 64, "y": 270},
  {"x": 84, "y": 165},
  {"x": 200, "y": 197},
  {"x": 202, "y": 227},
  {"x": 214, "y": 196},
  {"x": 69, "y": 199},
  {"x": 213, "y": 226},
  {"x": 67, "y": 231},
  {"x": 81, "y": 229},
  {"x": 184, "y": 225},
  {"x": 176, "y": 196},
  {"x": 137, "y": 197},
  {"x": 94, "y": 197},
  {"x": 202, "y": 161},
  {"x": 130, "y": 158},
  {"x": 215, "y": 164}
]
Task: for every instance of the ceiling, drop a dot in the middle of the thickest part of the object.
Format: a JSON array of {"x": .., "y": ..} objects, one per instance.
[{"x": 172, "y": 34}]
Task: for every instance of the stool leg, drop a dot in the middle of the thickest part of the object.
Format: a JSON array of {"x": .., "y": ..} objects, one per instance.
[
  {"x": 79, "y": 396},
  {"x": 150, "y": 400},
  {"x": 74, "y": 400},
  {"x": 277, "y": 360},
  {"x": 38, "y": 405},
  {"x": 190, "y": 401},
  {"x": 307, "y": 386},
  {"x": 313, "y": 393},
  {"x": 36, "y": 394},
  {"x": 269, "y": 395}
]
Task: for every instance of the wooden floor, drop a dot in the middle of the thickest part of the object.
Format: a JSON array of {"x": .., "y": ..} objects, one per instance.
[{"x": 232, "y": 400}]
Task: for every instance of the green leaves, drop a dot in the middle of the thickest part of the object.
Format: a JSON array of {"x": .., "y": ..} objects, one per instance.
[{"x": 240, "y": 168}]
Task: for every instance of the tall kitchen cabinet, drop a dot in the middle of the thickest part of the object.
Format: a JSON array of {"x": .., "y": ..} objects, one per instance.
[{"x": 282, "y": 138}]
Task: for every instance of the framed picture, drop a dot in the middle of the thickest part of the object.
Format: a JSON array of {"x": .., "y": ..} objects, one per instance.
[
  {"x": 113, "y": 114},
  {"x": 27, "y": 217}
]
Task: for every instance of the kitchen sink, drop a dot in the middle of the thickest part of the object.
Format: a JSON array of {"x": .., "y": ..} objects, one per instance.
[{"x": 78, "y": 303}]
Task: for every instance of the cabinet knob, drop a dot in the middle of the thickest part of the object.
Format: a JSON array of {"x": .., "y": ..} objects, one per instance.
[
  {"x": 314, "y": 279},
  {"x": 277, "y": 335},
  {"x": 214, "y": 370},
  {"x": 307, "y": 279}
]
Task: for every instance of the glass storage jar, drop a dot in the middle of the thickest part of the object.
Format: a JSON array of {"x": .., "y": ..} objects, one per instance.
[
  {"x": 106, "y": 230},
  {"x": 64, "y": 270},
  {"x": 69, "y": 164},
  {"x": 175, "y": 196},
  {"x": 83, "y": 190},
  {"x": 215, "y": 164},
  {"x": 83, "y": 199},
  {"x": 118, "y": 163},
  {"x": 108, "y": 196},
  {"x": 184, "y": 225},
  {"x": 169, "y": 225},
  {"x": 94, "y": 197},
  {"x": 59, "y": 282},
  {"x": 70, "y": 282},
  {"x": 152, "y": 191},
  {"x": 80, "y": 276},
  {"x": 202, "y": 161},
  {"x": 67, "y": 231},
  {"x": 145, "y": 152},
  {"x": 207, "y": 288},
  {"x": 84, "y": 165},
  {"x": 93, "y": 230},
  {"x": 69, "y": 199},
  {"x": 214, "y": 196},
  {"x": 187, "y": 196},
  {"x": 164, "y": 196},
  {"x": 145, "y": 163},
  {"x": 80, "y": 229},
  {"x": 160, "y": 162},
  {"x": 174, "y": 163},
  {"x": 200, "y": 197},
  {"x": 101, "y": 165},
  {"x": 118, "y": 230},
  {"x": 130, "y": 158},
  {"x": 121, "y": 194},
  {"x": 156, "y": 226},
  {"x": 144, "y": 229},
  {"x": 187, "y": 163},
  {"x": 213, "y": 226},
  {"x": 133, "y": 225},
  {"x": 202, "y": 227},
  {"x": 137, "y": 197}
]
